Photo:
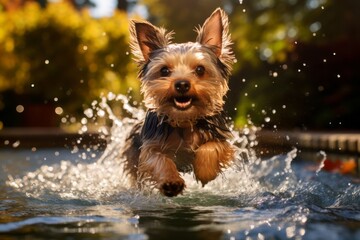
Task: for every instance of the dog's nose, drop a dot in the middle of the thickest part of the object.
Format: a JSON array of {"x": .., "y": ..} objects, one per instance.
[{"x": 182, "y": 86}]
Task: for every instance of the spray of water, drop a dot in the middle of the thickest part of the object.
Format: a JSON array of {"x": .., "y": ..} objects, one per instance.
[
  {"x": 322, "y": 162},
  {"x": 105, "y": 179},
  {"x": 256, "y": 197}
]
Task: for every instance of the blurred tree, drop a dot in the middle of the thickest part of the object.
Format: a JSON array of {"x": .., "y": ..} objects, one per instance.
[
  {"x": 296, "y": 59},
  {"x": 180, "y": 16},
  {"x": 12, "y": 5},
  {"x": 49, "y": 60},
  {"x": 296, "y": 56}
]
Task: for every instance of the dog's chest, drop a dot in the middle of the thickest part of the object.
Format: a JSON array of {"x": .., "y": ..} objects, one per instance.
[{"x": 182, "y": 145}]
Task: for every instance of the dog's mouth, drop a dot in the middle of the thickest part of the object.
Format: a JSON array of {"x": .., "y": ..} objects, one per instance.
[{"x": 183, "y": 102}]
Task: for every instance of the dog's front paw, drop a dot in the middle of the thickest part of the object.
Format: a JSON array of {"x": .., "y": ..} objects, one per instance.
[{"x": 172, "y": 188}]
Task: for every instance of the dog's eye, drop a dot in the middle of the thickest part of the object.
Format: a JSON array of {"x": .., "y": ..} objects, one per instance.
[
  {"x": 165, "y": 71},
  {"x": 200, "y": 70}
]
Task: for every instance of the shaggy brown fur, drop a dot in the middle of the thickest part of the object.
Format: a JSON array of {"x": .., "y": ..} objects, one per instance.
[{"x": 183, "y": 86}]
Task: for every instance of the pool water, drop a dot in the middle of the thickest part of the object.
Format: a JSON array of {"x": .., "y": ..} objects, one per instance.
[
  {"x": 79, "y": 199},
  {"x": 85, "y": 194}
]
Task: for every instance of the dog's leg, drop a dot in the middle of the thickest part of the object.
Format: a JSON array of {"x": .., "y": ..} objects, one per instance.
[
  {"x": 162, "y": 170},
  {"x": 210, "y": 158}
]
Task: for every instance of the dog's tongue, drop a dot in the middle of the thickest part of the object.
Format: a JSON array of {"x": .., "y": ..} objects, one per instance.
[{"x": 182, "y": 102}]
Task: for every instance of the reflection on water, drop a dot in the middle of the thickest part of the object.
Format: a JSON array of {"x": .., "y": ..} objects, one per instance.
[{"x": 85, "y": 194}]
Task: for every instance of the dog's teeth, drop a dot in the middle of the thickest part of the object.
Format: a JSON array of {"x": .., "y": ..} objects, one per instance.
[{"x": 182, "y": 104}]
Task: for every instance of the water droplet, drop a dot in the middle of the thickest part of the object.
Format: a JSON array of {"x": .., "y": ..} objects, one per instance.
[
  {"x": 59, "y": 110},
  {"x": 20, "y": 108},
  {"x": 83, "y": 121},
  {"x": 314, "y": 27},
  {"x": 89, "y": 113},
  {"x": 267, "y": 119},
  {"x": 338, "y": 76},
  {"x": 275, "y": 74},
  {"x": 100, "y": 113},
  {"x": 260, "y": 236},
  {"x": 32, "y": 85},
  {"x": 111, "y": 96},
  {"x": 324, "y": 60},
  {"x": 16, "y": 144},
  {"x": 84, "y": 129},
  {"x": 267, "y": 52},
  {"x": 246, "y": 131},
  {"x": 47, "y": 61}
]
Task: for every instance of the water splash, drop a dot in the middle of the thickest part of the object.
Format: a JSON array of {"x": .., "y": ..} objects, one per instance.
[
  {"x": 254, "y": 199},
  {"x": 322, "y": 162},
  {"x": 250, "y": 180},
  {"x": 105, "y": 178}
]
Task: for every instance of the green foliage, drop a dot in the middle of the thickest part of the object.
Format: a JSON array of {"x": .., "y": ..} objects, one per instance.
[
  {"x": 286, "y": 51},
  {"x": 180, "y": 16},
  {"x": 299, "y": 58},
  {"x": 280, "y": 46},
  {"x": 60, "y": 56}
]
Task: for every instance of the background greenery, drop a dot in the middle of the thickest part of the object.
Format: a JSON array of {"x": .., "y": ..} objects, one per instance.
[
  {"x": 297, "y": 60},
  {"x": 58, "y": 56}
]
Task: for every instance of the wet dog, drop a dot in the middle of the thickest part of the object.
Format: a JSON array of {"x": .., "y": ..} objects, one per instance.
[{"x": 183, "y": 85}]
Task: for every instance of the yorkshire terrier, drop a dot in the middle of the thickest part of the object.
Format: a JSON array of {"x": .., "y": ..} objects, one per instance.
[{"x": 185, "y": 128}]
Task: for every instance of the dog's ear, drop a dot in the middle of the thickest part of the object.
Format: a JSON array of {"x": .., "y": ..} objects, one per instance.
[
  {"x": 145, "y": 38},
  {"x": 215, "y": 33}
]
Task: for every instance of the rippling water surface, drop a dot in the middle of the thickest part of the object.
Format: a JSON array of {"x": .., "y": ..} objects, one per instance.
[{"x": 84, "y": 194}]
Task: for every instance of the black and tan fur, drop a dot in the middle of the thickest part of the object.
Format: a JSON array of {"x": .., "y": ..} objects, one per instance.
[{"x": 184, "y": 87}]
